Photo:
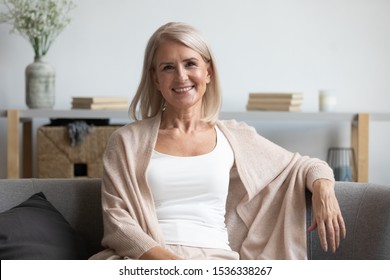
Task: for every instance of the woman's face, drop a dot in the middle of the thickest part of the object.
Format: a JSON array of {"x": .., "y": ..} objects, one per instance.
[{"x": 181, "y": 75}]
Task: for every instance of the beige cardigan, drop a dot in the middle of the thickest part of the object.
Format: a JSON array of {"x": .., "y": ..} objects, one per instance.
[{"x": 265, "y": 211}]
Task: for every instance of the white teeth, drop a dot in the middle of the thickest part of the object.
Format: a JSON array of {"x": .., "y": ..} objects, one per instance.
[{"x": 183, "y": 89}]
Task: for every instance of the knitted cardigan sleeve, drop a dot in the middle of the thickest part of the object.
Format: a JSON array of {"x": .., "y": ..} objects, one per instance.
[
  {"x": 126, "y": 200},
  {"x": 268, "y": 196}
]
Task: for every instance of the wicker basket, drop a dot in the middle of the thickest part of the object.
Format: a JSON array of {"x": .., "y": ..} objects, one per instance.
[{"x": 57, "y": 158}]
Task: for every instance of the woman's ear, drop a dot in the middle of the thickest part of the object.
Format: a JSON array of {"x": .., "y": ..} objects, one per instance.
[{"x": 209, "y": 73}]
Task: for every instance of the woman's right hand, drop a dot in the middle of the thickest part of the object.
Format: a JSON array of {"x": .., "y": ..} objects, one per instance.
[{"x": 159, "y": 253}]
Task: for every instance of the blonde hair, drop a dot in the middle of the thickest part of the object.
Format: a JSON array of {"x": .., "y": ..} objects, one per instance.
[{"x": 148, "y": 98}]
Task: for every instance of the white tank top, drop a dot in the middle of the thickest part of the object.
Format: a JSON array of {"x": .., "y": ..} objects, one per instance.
[{"x": 190, "y": 195}]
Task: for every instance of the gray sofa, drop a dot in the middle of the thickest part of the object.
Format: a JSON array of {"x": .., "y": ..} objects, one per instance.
[{"x": 366, "y": 209}]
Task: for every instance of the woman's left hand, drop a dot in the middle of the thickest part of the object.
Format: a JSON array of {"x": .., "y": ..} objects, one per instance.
[{"x": 327, "y": 215}]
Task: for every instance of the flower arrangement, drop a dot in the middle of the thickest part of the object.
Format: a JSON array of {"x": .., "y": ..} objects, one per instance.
[{"x": 39, "y": 21}]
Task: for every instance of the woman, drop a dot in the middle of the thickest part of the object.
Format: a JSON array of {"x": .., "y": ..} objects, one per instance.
[{"x": 180, "y": 184}]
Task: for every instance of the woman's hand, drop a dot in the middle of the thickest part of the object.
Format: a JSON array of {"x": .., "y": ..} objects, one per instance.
[
  {"x": 159, "y": 253},
  {"x": 327, "y": 215}
]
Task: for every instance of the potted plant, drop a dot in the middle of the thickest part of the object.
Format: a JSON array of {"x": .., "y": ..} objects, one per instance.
[{"x": 40, "y": 22}]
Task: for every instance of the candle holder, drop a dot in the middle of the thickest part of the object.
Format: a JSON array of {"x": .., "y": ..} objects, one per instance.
[{"x": 342, "y": 161}]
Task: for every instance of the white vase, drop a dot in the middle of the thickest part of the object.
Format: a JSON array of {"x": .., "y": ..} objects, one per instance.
[{"x": 40, "y": 84}]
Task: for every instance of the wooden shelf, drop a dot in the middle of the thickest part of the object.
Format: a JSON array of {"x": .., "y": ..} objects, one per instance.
[
  {"x": 359, "y": 126},
  {"x": 289, "y": 116},
  {"x": 241, "y": 116},
  {"x": 73, "y": 114}
]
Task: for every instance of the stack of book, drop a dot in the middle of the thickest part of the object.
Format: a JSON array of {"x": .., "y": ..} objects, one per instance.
[
  {"x": 100, "y": 102},
  {"x": 275, "y": 102}
]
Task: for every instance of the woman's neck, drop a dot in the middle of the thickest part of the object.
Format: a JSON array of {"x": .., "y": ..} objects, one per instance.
[{"x": 185, "y": 120}]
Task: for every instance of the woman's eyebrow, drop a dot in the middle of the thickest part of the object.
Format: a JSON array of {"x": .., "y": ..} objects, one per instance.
[
  {"x": 164, "y": 63},
  {"x": 185, "y": 60},
  {"x": 191, "y": 58}
]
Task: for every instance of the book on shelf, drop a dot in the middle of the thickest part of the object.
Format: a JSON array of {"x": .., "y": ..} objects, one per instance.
[
  {"x": 100, "y": 99},
  {"x": 276, "y": 95},
  {"x": 267, "y": 101},
  {"x": 273, "y": 107},
  {"x": 93, "y": 106},
  {"x": 100, "y": 102},
  {"x": 277, "y": 101}
]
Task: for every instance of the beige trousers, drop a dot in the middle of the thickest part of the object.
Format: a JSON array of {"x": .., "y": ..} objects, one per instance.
[{"x": 195, "y": 253}]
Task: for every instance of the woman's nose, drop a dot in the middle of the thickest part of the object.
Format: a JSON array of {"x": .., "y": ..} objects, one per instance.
[{"x": 181, "y": 74}]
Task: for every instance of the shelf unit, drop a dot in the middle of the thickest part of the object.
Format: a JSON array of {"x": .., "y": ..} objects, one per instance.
[{"x": 359, "y": 130}]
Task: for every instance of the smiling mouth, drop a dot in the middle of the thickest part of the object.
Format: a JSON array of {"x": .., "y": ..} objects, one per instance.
[{"x": 182, "y": 90}]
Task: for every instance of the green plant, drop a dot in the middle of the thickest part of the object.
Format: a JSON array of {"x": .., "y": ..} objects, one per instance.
[{"x": 39, "y": 21}]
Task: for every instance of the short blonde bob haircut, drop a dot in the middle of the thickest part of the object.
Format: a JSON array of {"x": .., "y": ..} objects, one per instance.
[{"x": 148, "y": 97}]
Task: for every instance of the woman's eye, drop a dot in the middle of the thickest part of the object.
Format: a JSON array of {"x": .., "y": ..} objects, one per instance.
[
  {"x": 168, "y": 68},
  {"x": 190, "y": 64}
]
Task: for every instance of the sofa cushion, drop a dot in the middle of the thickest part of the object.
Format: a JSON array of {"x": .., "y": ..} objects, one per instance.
[{"x": 36, "y": 230}]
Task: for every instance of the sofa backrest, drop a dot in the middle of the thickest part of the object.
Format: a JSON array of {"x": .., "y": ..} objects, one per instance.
[{"x": 365, "y": 207}]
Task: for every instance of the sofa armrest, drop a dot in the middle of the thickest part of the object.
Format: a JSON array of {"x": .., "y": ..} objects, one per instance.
[{"x": 366, "y": 211}]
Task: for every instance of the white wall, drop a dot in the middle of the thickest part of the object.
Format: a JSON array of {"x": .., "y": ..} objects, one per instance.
[{"x": 260, "y": 45}]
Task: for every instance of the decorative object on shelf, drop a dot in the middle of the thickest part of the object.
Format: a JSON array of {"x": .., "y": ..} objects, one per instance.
[
  {"x": 40, "y": 22},
  {"x": 342, "y": 161},
  {"x": 327, "y": 101},
  {"x": 40, "y": 84}
]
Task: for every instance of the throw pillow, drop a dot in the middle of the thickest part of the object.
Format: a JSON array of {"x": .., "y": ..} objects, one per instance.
[{"x": 35, "y": 230}]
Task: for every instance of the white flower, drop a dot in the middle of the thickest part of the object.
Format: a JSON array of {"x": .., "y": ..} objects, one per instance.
[{"x": 39, "y": 21}]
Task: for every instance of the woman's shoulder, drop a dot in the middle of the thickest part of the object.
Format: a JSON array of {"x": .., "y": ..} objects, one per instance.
[
  {"x": 137, "y": 125},
  {"x": 235, "y": 125},
  {"x": 242, "y": 132},
  {"x": 134, "y": 129}
]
